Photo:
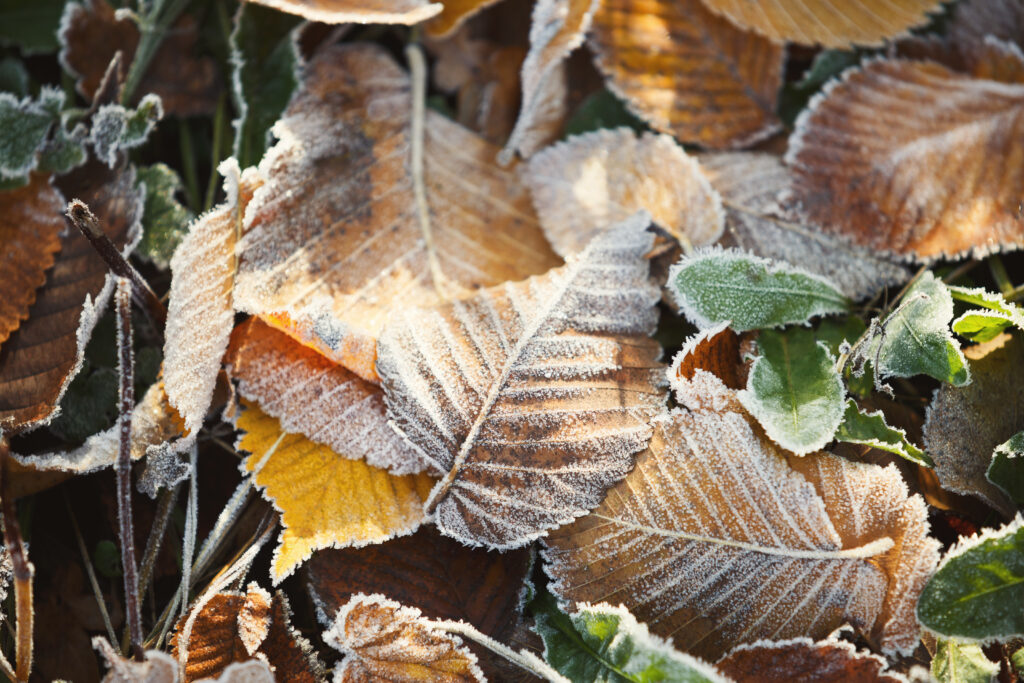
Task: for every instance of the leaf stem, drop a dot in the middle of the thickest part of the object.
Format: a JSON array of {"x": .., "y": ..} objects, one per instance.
[
  {"x": 999, "y": 274},
  {"x": 523, "y": 659},
  {"x": 164, "y": 508},
  {"x": 24, "y": 572}
]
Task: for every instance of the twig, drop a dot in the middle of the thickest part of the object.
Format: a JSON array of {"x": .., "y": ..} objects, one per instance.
[
  {"x": 90, "y": 572},
  {"x": 23, "y": 570}
]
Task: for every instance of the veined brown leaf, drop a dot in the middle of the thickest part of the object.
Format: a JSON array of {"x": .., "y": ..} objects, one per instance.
[
  {"x": 914, "y": 158},
  {"x": 832, "y": 23},
  {"x": 717, "y": 538},
  {"x": 453, "y": 15},
  {"x": 715, "y": 349},
  {"x": 358, "y": 11},
  {"x": 688, "y": 72},
  {"x": 802, "y": 659},
  {"x": 333, "y": 258},
  {"x": 530, "y": 399}
]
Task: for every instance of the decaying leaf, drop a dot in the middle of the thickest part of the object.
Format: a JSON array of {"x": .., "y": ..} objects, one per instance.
[
  {"x": 715, "y": 349},
  {"x": 975, "y": 20},
  {"x": 911, "y": 157},
  {"x": 334, "y": 258},
  {"x": 454, "y": 14},
  {"x": 530, "y": 399},
  {"x": 325, "y": 499},
  {"x": 382, "y": 640},
  {"x": 358, "y": 11},
  {"x": 832, "y": 23},
  {"x": 688, "y": 72},
  {"x": 592, "y": 181},
  {"x": 718, "y": 538},
  {"x": 802, "y": 659}
]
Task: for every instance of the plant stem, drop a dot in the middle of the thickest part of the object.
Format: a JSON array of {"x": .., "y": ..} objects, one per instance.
[
  {"x": 999, "y": 274},
  {"x": 523, "y": 659},
  {"x": 219, "y": 120},
  {"x": 188, "y": 165},
  {"x": 97, "y": 593},
  {"x": 23, "y": 571},
  {"x": 164, "y": 508}
]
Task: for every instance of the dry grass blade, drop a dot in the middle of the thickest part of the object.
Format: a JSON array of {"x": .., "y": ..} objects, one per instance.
[{"x": 358, "y": 11}]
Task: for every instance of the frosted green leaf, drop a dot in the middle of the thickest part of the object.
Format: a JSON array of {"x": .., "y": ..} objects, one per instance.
[
  {"x": 115, "y": 128},
  {"x": 1007, "y": 467},
  {"x": 13, "y": 77},
  {"x": 715, "y": 285},
  {"x": 164, "y": 220},
  {"x": 605, "y": 644},
  {"x": 996, "y": 314},
  {"x": 870, "y": 429},
  {"x": 957, "y": 662},
  {"x": 31, "y": 24},
  {"x": 23, "y": 127},
  {"x": 977, "y": 592},
  {"x": 794, "y": 391}
]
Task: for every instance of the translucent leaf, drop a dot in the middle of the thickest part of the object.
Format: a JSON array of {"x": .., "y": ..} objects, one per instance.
[
  {"x": 164, "y": 220},
  {"x": 871, "y": 429},
  {"x": 687, "y": 72},
  {"x": 382, "y": 640},
  {"x": 326, "y": 500},
  {"x": 32, "y": 26},
  {"x": 605, "y": 644},
  {"x": 977, "y": 591},
  {"x": 989, "y": 322},
  {"x": 329, "y": 261},
  {"x": 956, "y": 662},
  {"x": 796, "y": 659},
  {"x": 717, "y": 538},
  {"x": 714, "y": 285},
  {"x": 1007, "y": 467},
  {"x": 794, "y": 391},
  {"x": 115, "y": 128},
  {"x": 358, "y": 11},
  {"x": 530, "y": 398},
  {"x": 595, "y": 180}
]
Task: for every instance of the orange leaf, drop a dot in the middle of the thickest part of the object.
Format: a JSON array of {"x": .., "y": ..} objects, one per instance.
[{"x": 802, "y": 659}]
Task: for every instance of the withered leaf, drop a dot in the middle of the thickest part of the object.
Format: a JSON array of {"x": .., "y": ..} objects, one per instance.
[
  {"x": 718, "y": 538},
  {"x": 358, "y": 11},
  {"x": 453, "y": 15},
  {"x": 333, "y": 258},
  {"x": 157, "y": 667},
  {"x": 802, "y": 659},
  {"x": 912, "y": 157},
  {"x": 715, "y": 349},
  {"x": 974, "y": 20},
  {"x": 688, "y": 72},
  {"x": 531, "y": 398}
]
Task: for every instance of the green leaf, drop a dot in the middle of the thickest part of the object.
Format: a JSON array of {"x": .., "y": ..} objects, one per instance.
[
  {"x": 31, "y": 24},
  {"x": 715, "y": 285},
  {"x": 1017, "y": 659},
  {"x": 601, "y": 110},
  {"x": 89, "y": 405},
  {"x": 870, "y": 429},
  {"x": 996, "y": 315},
  {"x": 164, "y": 220},
  {"x": 23, "y": 128},
  {"x": 115, "y": 128},
  {"x": 957, "y": 662},
  {"x": 977, "y": 592},
  {"x": 13, "y": 77},
  {"x": 827, "y": 64},
  {"x": 107, "y": 559},
  {"x": 1007, "y": 467},
  {"x": 605, "y": 644},
  {"x": 794, "y": 391},
  {"x": 265, "y": 61}
]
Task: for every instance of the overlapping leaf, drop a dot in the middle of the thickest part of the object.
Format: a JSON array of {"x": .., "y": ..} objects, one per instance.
[
  {"x": 959, "y": 662},
  {"x": 827, "y": 661},
  {"x": 358, "y": 11}
]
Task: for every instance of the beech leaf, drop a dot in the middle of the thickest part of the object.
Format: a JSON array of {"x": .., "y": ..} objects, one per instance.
[
  {"x": 1007, "y": 467},
  {"x": 956, "y": 662},
  {"x": 781, "y": 661},
  {"x": 871, "y": 429}
]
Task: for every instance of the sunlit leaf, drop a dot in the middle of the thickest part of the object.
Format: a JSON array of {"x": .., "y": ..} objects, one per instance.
[
  {"x": 358, "y": 11},
  {"x": 985, "y": 324},
  {"x": 781, "y": 661},
  {"x": 164, "y": 220},
  {"x": 956, "y": 662},
  {"x": 1007, "y": 467},
  {"x": 871, "y": 429}
]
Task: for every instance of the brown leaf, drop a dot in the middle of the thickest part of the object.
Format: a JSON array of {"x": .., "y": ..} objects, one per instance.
[
  {"x": 716, "y": 538},
  {"x": 383, "y": 640},
  {"x": 990, "y": 58},
  {"x": 914, "y": 158},
  {"x": 688, "y": 72},
  {"x": 975, "y": 20},
  {"x": 454, "y": 14},
  {"x": 330, "y": 260},
  {"x": 715, "y": 349},
  {"x": 31, "y": 219},
  {"x": 802, "y": 659},
  {"x": 42, "y": 356},
  {"x": 832, "y": 23},
  {"x": 358, "y": 11}
]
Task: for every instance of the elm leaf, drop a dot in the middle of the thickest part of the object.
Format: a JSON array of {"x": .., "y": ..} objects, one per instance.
[
  {"x": 957, "y": 662},
  {"x": 1007, "y": 467},
  {"x": 871, "y": 429}
]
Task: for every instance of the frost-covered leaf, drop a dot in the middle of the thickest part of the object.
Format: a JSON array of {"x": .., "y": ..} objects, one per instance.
[
  {"x": 794, "y": 390},
  {"x": 382, "y": 640},
  {"x": 871, "y": 429},
  {"x": 592, "y": 181},
  {"x": 115, "y": 128},
  {"x": 911, "y": 157},
  {"x": 964, "y": 425},
  {"x": 688, "y": 72},
  {"x": 454, "y": 15},
  {"x": 749, "y": 184},
  {"x": 316, "y": 397},
  {"x": 802, "y": 659},
  {"x": 604, "y": 644},
  {"x": 164, "y": 220},
  {"x": 1007, "y": 467},
  {"x": 32, "y": 26},
  {"x": 326, "y": 500},
  {"x": 985, "y": 324},
  {"x": 156, "y": 667},
  {"x": 956, "y": 662},
  {"x": 531, "y": 398},
  {"x": 977, "y": 591},
  {"x": 714, "y": 285},
  {"x": 358, "y": 11},
  {"x": 24, "y": 124},
  {"x": 329, "y": 261},
  {"x": 715, "y": 349},
  {"x": 718, "y": 538}
]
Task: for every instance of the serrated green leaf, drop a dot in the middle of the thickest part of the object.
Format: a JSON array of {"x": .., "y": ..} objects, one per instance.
[
  {"x": 31, "y": 24},
  {"x": 23, "y": 127},
  {"x": 164, "y": 220},
  {"x": 265, "y": 61},
  {"x": 605, "y": 644},
  {"x": 1007, "y": 467},
  {"x": 870, "y": 429},
  {"x": 115, "y": 128},
  {"x": 977, "y": 592},
  {"x": 996, "y": 315},
  {"x": 794, "y": 391},
  {"x": 714, "y": 285},
  {"x": 957, "y": 662}
]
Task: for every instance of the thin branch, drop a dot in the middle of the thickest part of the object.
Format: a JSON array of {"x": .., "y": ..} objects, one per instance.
[{"x": 23, "y": 570}]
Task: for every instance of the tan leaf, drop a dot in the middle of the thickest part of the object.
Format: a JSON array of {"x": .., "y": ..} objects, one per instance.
[
  {"x": 914, "y": 158},
  {"x": 716, "y": 538},
  {"x": 832, "y": 23},
  {"x": 990, "y": 58},
  {"x": 591, "y": 181},
  {"x": 316, "y": 398},
  {"x": 454, "y": 14},
  {"x": 802, "y": 659},
  {"x": 530, "y": 398},
  {"x": 749, "y": 184},
  {"x": 330, "y": 260},
  {"x": 158, "y": 667},
  {"x": 357, "y": 11},
  {"x": 382, "y": 640},
  {"x": 688, "y": 72}
]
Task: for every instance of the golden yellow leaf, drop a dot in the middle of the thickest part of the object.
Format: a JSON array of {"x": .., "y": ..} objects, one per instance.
[
  {"x": 326, "y": 500},
  {"x": 357, "y": 11}
]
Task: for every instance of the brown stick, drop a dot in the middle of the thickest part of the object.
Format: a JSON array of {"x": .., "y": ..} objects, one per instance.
[{"x": 23, "y": 570}]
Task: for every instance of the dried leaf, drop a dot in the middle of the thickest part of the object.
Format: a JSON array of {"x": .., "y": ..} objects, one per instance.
[
  {"x": 717, "y": 538},
  {"x": 530, "y": 398},
  {"x": 715, "y": 349},
  {"x": 382, "y": 640},
  {"x": 1007, "y": 467},
  {"x": 914, "y": 158},
  {"x": 802, "y": 659},
  {"x": 158, "y": 667},
  {"x": 595, "y": 180},
  {"x": 326, "y": 500},
  {"x": 688, "y": 72},
  {"x": 316, "y": 398},
  {"x": 454, "y": 14},
  {"x": 358, "y": 11},
  {"x": 332, "y": 259},
  {"x": 31, "y": 219},
  {"x": 832, "y": 23},
  {"x": 956, "y": 662},
  {"x": 975, "y": 20}
]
